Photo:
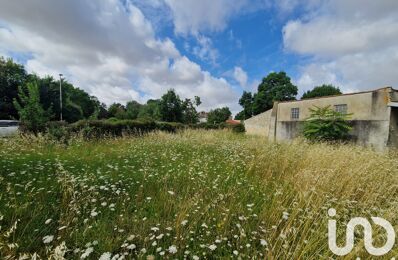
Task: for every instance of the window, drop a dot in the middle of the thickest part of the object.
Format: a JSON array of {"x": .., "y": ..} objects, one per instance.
[
  {"x": 342, "y": 108},
  {"x": 295, "y": 113}
]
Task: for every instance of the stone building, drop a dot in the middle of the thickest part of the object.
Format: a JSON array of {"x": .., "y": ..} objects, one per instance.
[{"x": 374, "y": 117}]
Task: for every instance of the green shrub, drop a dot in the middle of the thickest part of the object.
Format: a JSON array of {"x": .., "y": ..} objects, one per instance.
[
  {"x": 96, "y": 129},
  {"x": 57, "y": 130},
  {"x": 325, "y": 124},
  {"x": 239, "y": 128},
  {"x": 208, "y": 126}
]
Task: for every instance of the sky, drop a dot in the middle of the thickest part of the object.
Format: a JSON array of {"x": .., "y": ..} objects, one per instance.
[{"x": 122, "y": 50}]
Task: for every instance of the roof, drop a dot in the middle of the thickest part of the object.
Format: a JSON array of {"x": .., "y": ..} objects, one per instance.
[
  {"x": 232, "y": 122},
  {"x": 347, "y": 94}
]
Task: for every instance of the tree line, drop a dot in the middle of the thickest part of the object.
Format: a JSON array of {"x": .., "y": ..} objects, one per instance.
[
  {"x": 28, "y": 96},
  {"x": 277, "y": 86}
]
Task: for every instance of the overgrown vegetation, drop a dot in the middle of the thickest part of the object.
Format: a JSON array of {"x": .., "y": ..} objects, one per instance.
[
  {"x": 79, "y": 105},
  {"x": 30, "y": 110},
  {"x": 111, "y": 128},
  {"x": 194, "y": 194},
  {"x": 322, "y": 91},
  {"x": 219, "y": 115},
  {"x": 326, "y": 124}
]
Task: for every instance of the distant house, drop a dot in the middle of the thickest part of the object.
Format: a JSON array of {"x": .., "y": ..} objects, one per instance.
[
  {"x": 374, "y": 119},
  {"x": 203, "y": 117}
]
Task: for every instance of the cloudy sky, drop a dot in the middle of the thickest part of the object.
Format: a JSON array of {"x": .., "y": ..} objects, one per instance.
[{"x": 119, "y": 50}]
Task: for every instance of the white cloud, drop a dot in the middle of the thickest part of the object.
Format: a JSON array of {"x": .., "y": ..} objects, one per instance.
[
  {"x": 241, "y": 76},
  {"x": 352, "y": 43},
  {"x": 205, "y": 51},
  {"x": 107, "y": 48},
  {"x": 192, "y": 16}
]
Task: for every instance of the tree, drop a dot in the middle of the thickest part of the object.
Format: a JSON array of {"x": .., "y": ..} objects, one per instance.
[
  {"x": 325, "y": 124},
  {"x": 12, "y": 75},
  {"x": 275, "y": 87},
  {"x": 190, "y": 115},
  {"x": 117, "y": 110},
  {"x": 31, "y": 113},
  {"x": 102, "y": 111},
  {"x": 219, "y": 115},
  {"x": 171, "y": 107},
  {"x": 150, "y": 110},
  {"x": 246, "y": 101},
  {"x": 240, "y": 115},
  {"x": 77, "y": 104},
  {"x": 133, "y": 109},
  {"x": 322, "y": 91}
]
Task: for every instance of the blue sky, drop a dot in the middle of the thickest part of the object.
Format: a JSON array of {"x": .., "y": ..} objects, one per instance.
[{"x": 119, "y": 50}]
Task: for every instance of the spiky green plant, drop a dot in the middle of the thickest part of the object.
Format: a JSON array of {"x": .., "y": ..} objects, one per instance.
[{"x": 325, "y": 124}]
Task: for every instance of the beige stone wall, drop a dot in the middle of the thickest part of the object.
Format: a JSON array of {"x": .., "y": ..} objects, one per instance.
[
  {"x": 259, "y": 124},
  {"x": 363, "y": 106},
  {"x": 370, "y": 119}
]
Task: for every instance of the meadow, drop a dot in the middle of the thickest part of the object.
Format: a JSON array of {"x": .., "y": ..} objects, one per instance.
[{"x": 195, "y": 194}]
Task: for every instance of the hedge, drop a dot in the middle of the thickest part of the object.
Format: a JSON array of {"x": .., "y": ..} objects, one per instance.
[{"x": 113, "y": 128}]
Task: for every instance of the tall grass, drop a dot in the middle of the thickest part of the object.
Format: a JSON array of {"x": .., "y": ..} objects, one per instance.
[{"x": 195, "y": 194}]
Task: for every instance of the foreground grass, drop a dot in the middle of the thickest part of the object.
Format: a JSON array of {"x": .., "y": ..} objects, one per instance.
[{"x": 196, "y": 194}]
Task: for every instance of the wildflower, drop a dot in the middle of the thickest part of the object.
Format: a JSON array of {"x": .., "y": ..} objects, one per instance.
[
  {"x": 171, "y": 192},
  {"x": 93, "y": 214},
  {"x": 184, "y": 222},
  {"x": 131, "y": 237},
  {"x": 154, "y": 229},
  {"x": 195, "y": 257},
  {"x": 212, "y": 247},
  {"x": 105, "y": 256},
  {"x": 160, "y": 236},
  {"x": 60, "y": 251},
  {"x": 235, "y": 252},
  {"x": 131, "y": 247},
  {"x": 48, "y": 221},
  {"x": 285, "y": 215},
  {"x": 87, "y": 253},
  {"x": 172, "y": 249},
  {"x": 48, "y": 239},
  {"x": 263, "y": 242}
]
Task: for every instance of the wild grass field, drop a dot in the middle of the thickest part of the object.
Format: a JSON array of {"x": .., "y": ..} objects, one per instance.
[{"x": 195, "y": 195}]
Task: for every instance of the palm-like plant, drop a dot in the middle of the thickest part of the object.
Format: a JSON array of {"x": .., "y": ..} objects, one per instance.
[{"x": 325, "y": 124}]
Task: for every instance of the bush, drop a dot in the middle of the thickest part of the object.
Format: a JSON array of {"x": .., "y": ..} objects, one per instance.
[
  {"x": 208, "y": 126},
  {"x": 111, "y": 128},
  {"x": 325, "y": 124},
  {"x": 96, "y": 129},
  {"x": 57, "y": 130},
  {"x": 239, "y": 128}
]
